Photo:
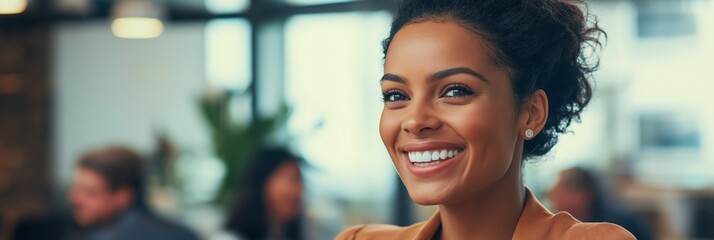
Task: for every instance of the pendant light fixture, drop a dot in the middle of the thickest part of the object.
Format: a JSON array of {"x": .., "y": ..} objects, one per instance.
[
  {"x": 12, "y": 6},
  {"x": 137, "y": 19}
]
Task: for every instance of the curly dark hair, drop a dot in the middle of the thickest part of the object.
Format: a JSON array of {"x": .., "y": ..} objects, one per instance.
[{"x": 545, "y": 44}]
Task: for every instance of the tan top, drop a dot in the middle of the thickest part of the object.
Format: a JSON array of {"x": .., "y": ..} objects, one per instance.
[{"x": 536, "y": 223}]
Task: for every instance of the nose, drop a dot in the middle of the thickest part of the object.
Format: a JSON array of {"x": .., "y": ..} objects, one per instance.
[{"x": 420, "y": 120}]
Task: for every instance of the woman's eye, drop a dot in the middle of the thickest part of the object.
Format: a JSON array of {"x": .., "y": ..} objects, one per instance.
[
  {"x": 457, "y": 91},
  {"x": 394, "y": 96}
]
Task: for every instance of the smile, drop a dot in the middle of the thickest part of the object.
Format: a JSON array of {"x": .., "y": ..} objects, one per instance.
[
  {"x": 424, "y": 159},
  {"x": 432, "y": 157}
]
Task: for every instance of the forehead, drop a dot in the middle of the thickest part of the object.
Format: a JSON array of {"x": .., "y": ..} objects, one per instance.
[
  {"x": 89, "y": 177},
  {"x": 437, "y": 45},
  {"x": 290, "y": 165}
]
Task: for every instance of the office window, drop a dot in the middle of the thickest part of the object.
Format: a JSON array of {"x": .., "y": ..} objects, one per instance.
[
  {"x": 228, "y": 53},
  {"x": 333, "y": 65},
  {"x": 226, "y": 6}
]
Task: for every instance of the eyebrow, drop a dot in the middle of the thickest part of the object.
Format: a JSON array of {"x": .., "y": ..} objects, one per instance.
[
  {"x": 393, "y": 78},
  {"x": 436, "y": 76},
  {"x": 453, "y": 71}
]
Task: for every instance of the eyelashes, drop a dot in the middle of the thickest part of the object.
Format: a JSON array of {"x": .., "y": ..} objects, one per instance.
[
  {"x": 394, "y": 95},
  {"x": 450, "y": 91},
  {"x": 456, "y": 90}
]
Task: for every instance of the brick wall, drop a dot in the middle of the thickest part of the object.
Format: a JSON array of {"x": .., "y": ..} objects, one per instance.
[{"x": 25, "y": 114}]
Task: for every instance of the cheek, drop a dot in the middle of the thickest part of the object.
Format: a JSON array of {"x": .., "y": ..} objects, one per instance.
[
  {"x": 95, "y": 208},
  {"x": 281, "y": 191},
  {"x": 87, "y": 201},
  {"x": 488, "y": 130},
  {"x": 105, "y": 203},
  {"x": 284, "y": 198},
  {"x": 486, "y": 127},
  {"x": 389, "y": 127},
  {"x": 272, "y": 192},
  {"x": 290, "y": 191}
]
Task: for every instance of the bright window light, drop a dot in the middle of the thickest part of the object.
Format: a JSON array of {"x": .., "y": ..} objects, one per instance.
[
  {"x": 333, "y": 63},
  {"x": 226, "y": 6},
  {"x": 228, "y": 53}
]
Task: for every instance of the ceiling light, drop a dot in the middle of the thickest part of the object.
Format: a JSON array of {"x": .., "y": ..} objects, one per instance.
[
  {"x": 137, "y": 19},
  {"x": 12, "y": 6}
]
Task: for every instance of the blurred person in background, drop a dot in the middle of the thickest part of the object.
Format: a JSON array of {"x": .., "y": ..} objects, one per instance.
[
  {"x": 270, "y": 203},
  {"x": 107, "y": 197},
  {"x": 579, "y": 193}
]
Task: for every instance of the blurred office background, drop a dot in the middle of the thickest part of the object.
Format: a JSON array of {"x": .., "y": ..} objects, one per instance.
[{"x": 77, "y": 74}]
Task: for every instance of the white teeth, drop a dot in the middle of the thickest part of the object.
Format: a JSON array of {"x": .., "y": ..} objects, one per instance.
[
  {"x": 426, "y": 164},
  {"x": 426, "y": 156},
  {"x": 432, "y": 156}
]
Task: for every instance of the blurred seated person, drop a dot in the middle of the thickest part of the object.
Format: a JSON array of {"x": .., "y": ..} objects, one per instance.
[
  {"x": 107, "y": 197},
  {"x": 579, "y": 193},
  {"x": 270, "y": 205}
]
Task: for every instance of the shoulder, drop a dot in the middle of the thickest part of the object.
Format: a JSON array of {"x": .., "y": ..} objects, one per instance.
[
  {"x": 571, "y": 228},
  {"x": 143, "y": 225},
  {"x": 564, "y": 226},
  {"x": 380, "y": 231},
  {"x": 537, "y": 222},
  {"x": 598, "y": 231}
]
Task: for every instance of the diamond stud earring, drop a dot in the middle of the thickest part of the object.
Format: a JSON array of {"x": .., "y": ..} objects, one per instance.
[{"x": 529, "y": 133}]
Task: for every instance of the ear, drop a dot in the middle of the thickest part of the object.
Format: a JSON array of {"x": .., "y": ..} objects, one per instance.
[
  {"x": 123, "y": 197},
  {"x": 534, "y": 114}
]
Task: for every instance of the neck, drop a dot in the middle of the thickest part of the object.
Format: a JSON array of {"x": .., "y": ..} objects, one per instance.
[
  {"x": 491, "y": 213},
  {"x": 276, "y": 228},
  {"x": 109, "y": 222}
]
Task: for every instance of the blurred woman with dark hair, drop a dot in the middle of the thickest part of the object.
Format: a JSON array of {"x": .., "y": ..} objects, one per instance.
[{"x": 270, "y": 204}]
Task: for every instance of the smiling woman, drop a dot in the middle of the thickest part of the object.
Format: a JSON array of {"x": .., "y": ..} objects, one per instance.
[{"x": 471, "y": 89}]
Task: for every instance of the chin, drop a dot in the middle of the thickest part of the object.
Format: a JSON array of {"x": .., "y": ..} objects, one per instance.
[
  {"x": 423, "y": 195},
  {"x": 89, "y": 220},
  {"x": 426, "y": 201}
]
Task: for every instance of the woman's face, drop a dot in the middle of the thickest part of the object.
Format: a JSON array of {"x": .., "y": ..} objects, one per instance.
[
  {"x": 283, "y": 192},
  {"x": 449, "y": 120}
]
